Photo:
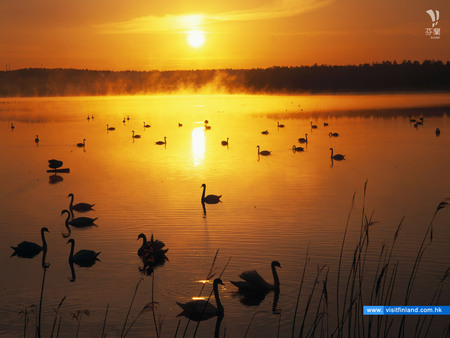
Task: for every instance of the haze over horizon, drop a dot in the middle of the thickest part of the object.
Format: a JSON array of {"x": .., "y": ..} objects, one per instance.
[{"x": 204, "y": 35}]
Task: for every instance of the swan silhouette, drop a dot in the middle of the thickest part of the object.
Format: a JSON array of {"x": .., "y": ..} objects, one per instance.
[
  {"x": 79, "y": 222},
  {"x": 294, "y": 148},
  {"x": 411, "y": 119},
  {"x": 80, "y": 207},
  {"x": 280, "y": 125},
  {"x": 136, "y": 136},
  {"x": 161, "y": 142},
  {"x": 27, "y": 249},
  {"x": 199, "y": 310},
  {"x": 437, "y": 132},
  {"x": 180, "y": 124},
  {"x": 110, "y": 128},
  {"x": 325, "y": 124},
  {"x": 146, "y": 125},
  {"x": 84, "y": 258},
  {"x": 82, "y": 144},
  {"x": 12, "y": 126},
  {"x": 154, "y": 247},
  {"x": 333, "y": 134},
  {"x": 263, "y": 152},
  {"x": 225, "y": 143},
  {"x": 313, "y": 126},
  {"x": 337, "y": 157},
  {"x": 303, "y": 139},
  {"x": 210, "y": 199},
  {"x": 36, "y": 139},
  {"x": 253, "y": 282},
  {"x": 265, "y": 132}
]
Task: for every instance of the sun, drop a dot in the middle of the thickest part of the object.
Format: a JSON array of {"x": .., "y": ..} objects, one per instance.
[{"x": 196, "y": 38}]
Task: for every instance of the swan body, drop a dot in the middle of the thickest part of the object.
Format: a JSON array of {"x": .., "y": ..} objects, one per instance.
[
  {"x": 12, "y": 126},
  {"x": 136, "y": 136},
  {"x": 154, "y": 247},
  {"x": 110, "y": 128},
  {"x": 82, "y": 257},
  {"x": 180, "y": 124},
  {"x": 265, "y": 132},
  {"x": 333, "y": 134},
  {"x": 210, "y": 199},
  {"x": 225, "y": 143},
  {"x": 79, "y": 222},
  {"x": 280, "y": 125},
  {"x": 294, "y": 148},
  {"x": 27, "y": 249},
  {"x": 313, "y": 126},
  {"x": 161, "y": 142},
  {"x": 337, "y": 157},
  {"x": 82, "y": 144},
  {"x": 146, "y": 125},
  {"x": 303, "y": 139},
  {"x": 325, "y": 124},
  {"x": 411, "y": 119},
  {"x": 80, "y": 207},
  {"x": 263, "y": 152},
  {"x": 253, "y": 282},
  {"x": 198, "y": 310},
  {"x": 438, "y": 132},
  {"x": 36, "y": 139}
]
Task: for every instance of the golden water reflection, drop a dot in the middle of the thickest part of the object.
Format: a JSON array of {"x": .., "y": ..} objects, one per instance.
[{"x": 198, "y": 145}]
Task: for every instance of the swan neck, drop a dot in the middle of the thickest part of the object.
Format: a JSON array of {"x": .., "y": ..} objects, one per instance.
[
  {"x": 216, "y": 296},
  {"x": 71, "y": 201},
  {"x": 276, "y": 280},
  {"x": 203, "y": 194},
  {"x": 44, "y": 242},
  {"x": 72, "y": 247}
]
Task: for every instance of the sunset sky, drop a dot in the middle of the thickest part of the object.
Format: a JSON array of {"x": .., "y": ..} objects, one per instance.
[{"x": 150, "y": 35}]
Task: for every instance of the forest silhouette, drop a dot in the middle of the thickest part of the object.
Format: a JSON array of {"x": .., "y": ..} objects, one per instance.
[{"x": 376, "y": 77}]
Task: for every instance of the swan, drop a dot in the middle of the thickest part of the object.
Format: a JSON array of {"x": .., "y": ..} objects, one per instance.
[
  {"x": 27, "y": 249},
  {"x": 55, "y": 164},
  {"x": 280, "y": 125},
  {"x": 225, "y": 143},
  {"x": 313, "y": 126},
  {"x": 80, "y": 207},
  {"x": 206, "y": 121},
  {"x": 303, "y": 139},
  {"x": 146, "y": 125},
  {"x": 161, "y": 142},
  {"x": 333, "y": 134},
  {"x": 180, "y": 124},
  {"x": 294, "y": 148},
  {"x": 12, "y": 126},
  {"x": 438, "y": 132},
  {"x": 82, "y": 257},
  {"x": 337, "y": 157},
  {"x": 88, "y": 117},
  {"x": 325, "y": 124},
  {"x": 263, "y": 152},
  {"x": 110, "y": 128},
  {"x": 136, "y": 136},
  {"x": 36, "y": 139},
  {"x": 207, "y": 127},
  {"x": 265, "y": 132},
  {"x": 154, "y": 247},
  {"x": 79, "y": 222},
  {"x": 253, "y": 282},
  {"x": 210, "y": 199},
  {"x": 198, "y": 310},
  {"x": 81, "y": 144},
  {"x": 411, "y": 119}
]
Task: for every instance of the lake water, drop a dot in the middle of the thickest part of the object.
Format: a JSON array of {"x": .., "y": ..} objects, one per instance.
[{"x": 273, "y": 207}]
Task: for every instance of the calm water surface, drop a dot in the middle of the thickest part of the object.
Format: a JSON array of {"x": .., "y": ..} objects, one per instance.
[{"x": 273, "y": 207}]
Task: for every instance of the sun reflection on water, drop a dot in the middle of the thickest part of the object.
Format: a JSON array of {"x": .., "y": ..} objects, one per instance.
[{"x": 198, "y": 145}]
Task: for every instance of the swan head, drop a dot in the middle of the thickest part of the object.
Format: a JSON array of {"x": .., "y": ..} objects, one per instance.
[
  {"x": 65, "y": 211},
  {"x": 203, "y": 185},
  {"x": 218, "y": 281},
  {"x": 276, "y": 263},
  {"x": 141, "y": 235},
  {"x": 70, "y": 195},
  {"x": 331, "y": 149},
  {"x": 44, "y": 229},
  {"x": 71, "y": 241}
]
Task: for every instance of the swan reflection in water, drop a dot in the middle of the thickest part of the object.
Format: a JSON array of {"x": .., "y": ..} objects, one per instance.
[{"x": 53, "y": 179}]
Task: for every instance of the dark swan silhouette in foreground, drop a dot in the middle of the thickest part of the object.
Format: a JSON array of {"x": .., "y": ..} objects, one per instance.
[
  {"x": 303, "y": 139},
  {"x": 199, "y": 310},
  {"x": 162, "y": 142},
  {"x": 84, "y": 258},
  {"x": 294, "y": 148},
  {"x": 81, "y": 144},
  {"x": 80, "y": 207},
  {"x": 210, "y": 199},
  {"x": 337, "y": 157},
  {"x": 263, "y": 152},
  {"x": 79, "y": 222},
  {"x": 135, "y": 136},
  {"x": 27, "y": 249},
  {"x": 253, "y": 282},
  {"x": 225, "y": 143}
]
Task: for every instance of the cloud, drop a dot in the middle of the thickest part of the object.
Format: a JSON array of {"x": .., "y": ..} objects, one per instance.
[{"x": 183, "y": 22}]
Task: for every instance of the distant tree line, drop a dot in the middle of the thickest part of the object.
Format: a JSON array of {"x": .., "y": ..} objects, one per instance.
[{"x": 385, "y": 76}]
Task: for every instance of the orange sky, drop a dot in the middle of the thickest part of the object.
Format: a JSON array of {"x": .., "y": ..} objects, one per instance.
[{"x": 148, "y": 35}]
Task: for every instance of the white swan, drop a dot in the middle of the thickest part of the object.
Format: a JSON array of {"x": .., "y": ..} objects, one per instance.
[
  {"x": 265, "y": 132},
  {"x": 263, "y": 152},
  {"x": 333, "y": 134},
  {"x": 337, "y": 157},
  {"x": 154, "y": 247},
  {"x": 253, "y": 282},
  {"x": 198, "y": 310},
  {"x": 36, "y": 139},
  {"x": 82, "y": 257},
  {"x": 27, "y": 249},
  {"x": 210, "y": 199},
  {"x": 79, "y": 222},
  {"x": 313, "y": 126}
]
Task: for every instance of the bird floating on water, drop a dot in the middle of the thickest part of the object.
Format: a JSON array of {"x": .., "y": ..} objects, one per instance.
[
  {"x": 225, "y": 143},
  {"x": 210, "y": 199},
  {"x": 80, "y": 207},
  {"x": 280, "y": 125},
  {"x": 162, "y": 142},
  {"x": 303, "y": 139},
  {"x": 136, "y": 136},
  {"x": 265, "y": 132},
  {"x": 84, "y": 258},
  {"x": 27, "y": 249},
  {"x": 152, "y": 252},
  {"x": 333, "y": 134},
  {"x": 110, "y": 128},
  {"x": 337, "y": 157},
  {"x": 200, "y": 309},
  {"x": 294, "y": 148},
  {"x": 146, "y": 125},
  {"x": 263, "y": 152},
  {"x": 180, "y": 124},
  {"x": 80, "y": 145},
  {"x": 253, "y": 282}
]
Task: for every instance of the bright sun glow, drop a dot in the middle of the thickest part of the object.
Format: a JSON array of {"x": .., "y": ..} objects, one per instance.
[{"x": 196, "y": 38}]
